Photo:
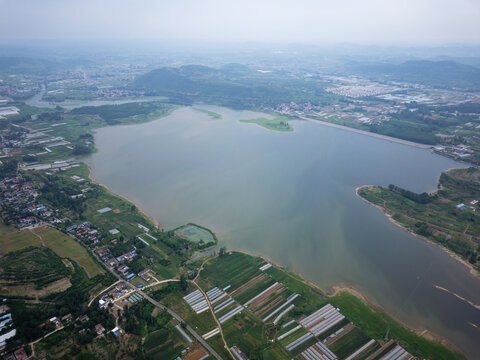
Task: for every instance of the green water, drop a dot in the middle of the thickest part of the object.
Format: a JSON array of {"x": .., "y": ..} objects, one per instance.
[{"x": 290, "y": 197}]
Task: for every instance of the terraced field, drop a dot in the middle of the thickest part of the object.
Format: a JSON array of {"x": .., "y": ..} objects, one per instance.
[{"x": 35, "y": 271}]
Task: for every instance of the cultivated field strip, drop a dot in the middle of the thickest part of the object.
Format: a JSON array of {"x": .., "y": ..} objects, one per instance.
[
  {"x": 249, "y": 283},
  {"x": 322, "y": 320},
  {"x": 318, "y": 352},
  {"x": 299, "y": 341},
  {"x": 230, "y": 314},
  {"x": 289, "y": 332},
  {"x": 197, "y": 301},
  {"x": 283, "y": 313},
  {"x": 289, "y": 300},
  {"x": 359, "y": 351},
  {"x": 199, "y": 304},
  {"x": 238, "y": 354},
  {"x": 264, "y": 292},
  {"x": 263, "y": 298},
  {"x": 398, "y": 353},
  {"x": 265, "y": 267},
  {"x": 214, "y": 295},
  {"x": 234, "y": 269},
  {"x": 288, "y": 323},
  {"x": 209, "y": 334}
]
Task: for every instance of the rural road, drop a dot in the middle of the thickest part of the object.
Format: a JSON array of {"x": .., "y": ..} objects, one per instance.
[{"x": 163, "y": 307}]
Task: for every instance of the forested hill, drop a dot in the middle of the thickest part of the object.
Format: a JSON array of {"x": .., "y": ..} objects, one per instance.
[
  {"x": 233, "y": 85},
  {"x": 444, "y": 74}
]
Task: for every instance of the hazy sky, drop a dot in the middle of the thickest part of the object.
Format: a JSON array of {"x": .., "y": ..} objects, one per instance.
[{"x": 279, "y": 21}]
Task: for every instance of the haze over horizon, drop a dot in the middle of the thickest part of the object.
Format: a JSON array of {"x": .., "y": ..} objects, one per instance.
[{"x": 407, "y": 22}]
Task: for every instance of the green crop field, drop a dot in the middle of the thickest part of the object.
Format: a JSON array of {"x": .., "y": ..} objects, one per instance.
[
  {"x": 245, "y": 332},
  {"x": 252, "y": 291},
  {"x": 67, "y": 247},
  {"x": 349, "y": 343},
  {"x": 13, "y": 240},
  {"x": 232, "y": 269}
]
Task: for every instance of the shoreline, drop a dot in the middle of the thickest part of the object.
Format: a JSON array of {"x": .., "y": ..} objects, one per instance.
[
  {"x": 143, "y": 212},
  {"x": 337, "y": 289},
  {"x": 367, "y": 133},
  {"x": 474, "y": 272},
  {"x": 427, "y": 334}
]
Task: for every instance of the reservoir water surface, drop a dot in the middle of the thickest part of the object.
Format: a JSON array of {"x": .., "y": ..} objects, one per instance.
[{"x": 291, "y": 197}]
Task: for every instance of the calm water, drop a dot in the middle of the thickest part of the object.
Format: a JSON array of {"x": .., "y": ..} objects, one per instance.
[{"x": 290, "y": 197}]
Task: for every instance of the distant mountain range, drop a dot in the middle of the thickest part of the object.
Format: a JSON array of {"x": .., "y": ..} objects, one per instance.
[
  {"x": 38, "y": 66},
  {"x": 444, "y": 74}
]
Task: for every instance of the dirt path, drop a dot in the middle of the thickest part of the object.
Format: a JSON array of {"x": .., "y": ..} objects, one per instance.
[
  {"x": 194, "y": 281},
  {"x": 32, "y": 344},
  {"x": 101, "y": 292},
  {"x": 39, "y": 236}
]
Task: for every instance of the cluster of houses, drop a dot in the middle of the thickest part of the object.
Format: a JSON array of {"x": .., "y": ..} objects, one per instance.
[
  {"x": 472, "y": 205},
  {"x": 86, "y": 233},
  {"x": 19, "y": 205},
  {"x": 457, "y": 152},
  {"x": 119, "y": 263},
  {"x": 9, "y": 143},
  {"x": 18, "y": 354},
  {"x": 118, "y": 291}
]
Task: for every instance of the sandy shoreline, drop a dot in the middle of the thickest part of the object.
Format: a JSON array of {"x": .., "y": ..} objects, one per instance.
[{"x": 474, "y": 272}]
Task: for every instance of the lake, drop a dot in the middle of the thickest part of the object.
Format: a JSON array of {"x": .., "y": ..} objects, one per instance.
[{"x": 291, "y": 197}]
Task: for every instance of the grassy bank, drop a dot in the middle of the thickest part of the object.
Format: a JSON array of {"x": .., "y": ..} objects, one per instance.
[
  {"x": 212, "y": 114},
  {"x": 439, "y": 217},
  {"x": 278, "y": 123}
]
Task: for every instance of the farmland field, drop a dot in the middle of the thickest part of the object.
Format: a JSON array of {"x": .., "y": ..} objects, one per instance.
[
  {"x": 13, "y": 240},
  {"x": 65, "y": 246},
  {"x": 349, "y": 343},
  {"x": 35, "y": 271},
  {"x": 233, "y": 269},
  {"x": 256, "y": 339}
]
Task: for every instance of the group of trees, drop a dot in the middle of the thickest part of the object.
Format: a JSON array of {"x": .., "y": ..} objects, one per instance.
[
  {"x": 81, "y": 149},
  {"x": 56, "y": 195},
  {"x": 112, "y": 113},
  {"x": 8, "y": 168},
  {"x": 51, "y": 116},
  {"x": 423, "y": 198}
]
